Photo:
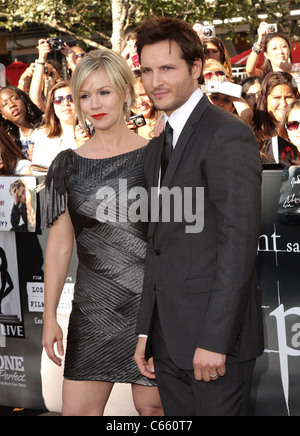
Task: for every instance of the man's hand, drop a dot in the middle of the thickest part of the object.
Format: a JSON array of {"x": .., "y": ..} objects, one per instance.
[
  {"x": 208, "y": 366},
  {"x": 145, "y": 368}
]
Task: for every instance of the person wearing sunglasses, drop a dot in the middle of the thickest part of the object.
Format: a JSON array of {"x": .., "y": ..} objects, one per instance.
[
  {"x": 251, "y": 90},
  {"x": 289, "y": 128},
  {"x": 73, "y": 55},
  {"x": 57, "y": 133},
  {"x": 214, "y": 71}
]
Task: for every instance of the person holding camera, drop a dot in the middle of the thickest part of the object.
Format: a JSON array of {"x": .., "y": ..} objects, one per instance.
[
  {"x": 45, "y": 76},
  {"x": 277, "y": 52},
  {"x": 214, "y": 71}
]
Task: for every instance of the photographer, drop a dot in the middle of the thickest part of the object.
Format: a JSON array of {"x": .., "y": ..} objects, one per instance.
[
  {"x": 277, "y": 52},
  {"x": 45, "y": 76},
  {"x": 214, "y": 71}
]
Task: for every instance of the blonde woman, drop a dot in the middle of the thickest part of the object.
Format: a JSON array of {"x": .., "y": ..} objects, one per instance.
[{"x": 111, "y": 250}]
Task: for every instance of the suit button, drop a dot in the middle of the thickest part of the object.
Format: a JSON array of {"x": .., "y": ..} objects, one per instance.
[{"x": 157, "y": 252}]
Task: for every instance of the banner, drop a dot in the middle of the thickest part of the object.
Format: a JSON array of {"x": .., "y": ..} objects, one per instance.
[
  {"x": 29, "y": 379},
  {"x": 276, "y": 389}
]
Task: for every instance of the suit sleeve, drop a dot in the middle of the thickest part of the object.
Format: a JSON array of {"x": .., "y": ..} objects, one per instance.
[{"x": 234, "y": 172}]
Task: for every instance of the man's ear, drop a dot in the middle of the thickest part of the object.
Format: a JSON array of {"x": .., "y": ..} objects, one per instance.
[{"x": 197, "y": 69}]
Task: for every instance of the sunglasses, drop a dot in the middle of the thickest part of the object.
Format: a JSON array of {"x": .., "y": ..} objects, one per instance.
[
  {"x": 58, "y": 100},
  {"x": 292, "y": 125},
  {"x": 80, "y": 55},
  {"x": 211, "y": 74},
  {"x": 250, "y": 96}
]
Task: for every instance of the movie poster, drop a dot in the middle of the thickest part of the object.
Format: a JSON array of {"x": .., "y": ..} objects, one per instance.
[
  {"x": 18, "y": 204},
  {"x": 11, "y": 317}
]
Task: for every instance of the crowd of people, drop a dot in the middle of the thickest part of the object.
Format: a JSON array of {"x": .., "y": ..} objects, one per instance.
[
  {"x": 39, "y": 115},
  {"x": 205, "y": 278}
]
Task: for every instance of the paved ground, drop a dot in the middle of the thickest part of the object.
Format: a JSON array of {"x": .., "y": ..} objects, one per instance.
[{"x": 9, "y": 411}]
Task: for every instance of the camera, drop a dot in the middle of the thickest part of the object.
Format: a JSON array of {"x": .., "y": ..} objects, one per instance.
[
  {"x": 226, "y": 88},
  {"x": 209, "y": 31},
  {"x": 272, "y": 28},
  {"x": 55, "y": 44},
  {"x": 206, "y": 31},
  {"x": 138, "y": 120}
]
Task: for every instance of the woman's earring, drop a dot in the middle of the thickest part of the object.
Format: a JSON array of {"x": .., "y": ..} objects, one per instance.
[{"x": 126, "y": 112}]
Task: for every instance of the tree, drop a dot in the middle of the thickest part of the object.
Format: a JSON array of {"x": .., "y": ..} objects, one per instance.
[{"x": 89, "y": 20}]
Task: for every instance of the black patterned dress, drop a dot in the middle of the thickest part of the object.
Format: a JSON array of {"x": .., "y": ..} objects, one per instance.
[{"x": 101, "y": 337}]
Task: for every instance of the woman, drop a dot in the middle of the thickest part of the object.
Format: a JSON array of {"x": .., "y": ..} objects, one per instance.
[
  {"x": 57, "y": 133},
  {"x": 145, "y": 107},
  {"x": 12, "y": 161},
  {"x": 277, "y": 92},
  {"x": 214, "y": 71},
  {"x": 289, "y": 127},
  {"x": 277, "y": 53},
  {"x": 111, "y": 250},
  {"x": 20, "y": 117},
  {"x": 214, "y": 48},
  {"x": 251, "y": 90}
]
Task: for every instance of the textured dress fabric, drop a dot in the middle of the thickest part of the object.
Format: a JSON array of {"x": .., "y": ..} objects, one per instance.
[{"x": 101, "y": 337}]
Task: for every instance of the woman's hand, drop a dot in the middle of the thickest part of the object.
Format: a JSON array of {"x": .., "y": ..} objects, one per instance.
[{"x": 53, "y": 335}]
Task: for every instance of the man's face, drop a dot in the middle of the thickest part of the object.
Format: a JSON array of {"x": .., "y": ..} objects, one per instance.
[
  {"x": 167, "y": 78},
  {"x": 21, "y": 194}
]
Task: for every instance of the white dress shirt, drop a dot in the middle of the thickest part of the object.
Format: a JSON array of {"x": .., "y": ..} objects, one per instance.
[{"x": 178, "y": 118}]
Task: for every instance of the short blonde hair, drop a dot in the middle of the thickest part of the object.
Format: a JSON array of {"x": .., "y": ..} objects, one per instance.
[{"x": 120, "y": 74}]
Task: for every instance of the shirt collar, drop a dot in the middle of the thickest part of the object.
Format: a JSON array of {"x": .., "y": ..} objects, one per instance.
[{"x": 178, "y": 118}]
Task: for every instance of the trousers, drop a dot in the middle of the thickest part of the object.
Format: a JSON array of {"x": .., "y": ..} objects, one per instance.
[{"x": 182, "y": 395}]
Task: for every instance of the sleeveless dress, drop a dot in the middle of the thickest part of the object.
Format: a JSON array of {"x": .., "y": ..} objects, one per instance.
[{"x": 101, "y": 336}]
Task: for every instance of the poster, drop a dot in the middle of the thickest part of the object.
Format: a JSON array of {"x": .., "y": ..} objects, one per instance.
[{"x": 18, "y": 204}]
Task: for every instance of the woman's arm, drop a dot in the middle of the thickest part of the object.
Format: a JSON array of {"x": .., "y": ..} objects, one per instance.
[
  {"x": 255, "y": 53},
  {"x": 58, "y": 258}
]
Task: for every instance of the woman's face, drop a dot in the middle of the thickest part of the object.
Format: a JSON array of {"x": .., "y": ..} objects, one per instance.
[
  {"x": 100, "y": 103},
  {"x": 143, "y": 103},
  {"x": 212, "y": 52},
  {"x": 253, "y": 94},
  {"x": 278, "y": 100},
  {"x": 12, "y": 107},
  {"x": 278, "y": 51},
  {"x": 222, "y": 100},
  {"x": 65, "y": 107},
  {"x": 294, "y": 131}
]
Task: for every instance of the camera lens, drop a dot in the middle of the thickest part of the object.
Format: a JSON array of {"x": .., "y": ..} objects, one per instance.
[{"x": 207, "y": 33}]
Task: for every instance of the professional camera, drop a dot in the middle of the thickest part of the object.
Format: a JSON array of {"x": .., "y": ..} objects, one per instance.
[
  {"x": 226, "y": 88},
  {"x": 272, "y": 28},
  {"x": 138, "y": 120},
  {"x": 209, "y": 31},
  {"x": 55, "y": 44}
]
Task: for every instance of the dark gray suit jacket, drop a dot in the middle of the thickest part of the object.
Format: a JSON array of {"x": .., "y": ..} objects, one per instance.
[{"x": 204, "y": 284}]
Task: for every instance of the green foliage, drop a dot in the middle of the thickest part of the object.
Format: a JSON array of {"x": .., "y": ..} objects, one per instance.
[{"x": 85, "y": 18}]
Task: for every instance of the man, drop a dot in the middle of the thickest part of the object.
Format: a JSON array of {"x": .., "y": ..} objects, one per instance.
[{"x": 200, "y": 306}]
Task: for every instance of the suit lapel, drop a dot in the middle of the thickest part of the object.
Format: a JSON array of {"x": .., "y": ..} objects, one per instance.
[
  {"x": 183, "y": 140},
  {"x": 177, "y": 154}
]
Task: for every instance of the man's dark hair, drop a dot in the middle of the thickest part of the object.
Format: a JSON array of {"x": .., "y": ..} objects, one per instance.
[{"x": 171, "y": 29}]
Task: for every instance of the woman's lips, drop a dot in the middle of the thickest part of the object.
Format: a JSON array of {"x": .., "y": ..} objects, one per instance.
[
  {"x": 15, "y": 112},
  {"x": 99, "y": 116}
]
